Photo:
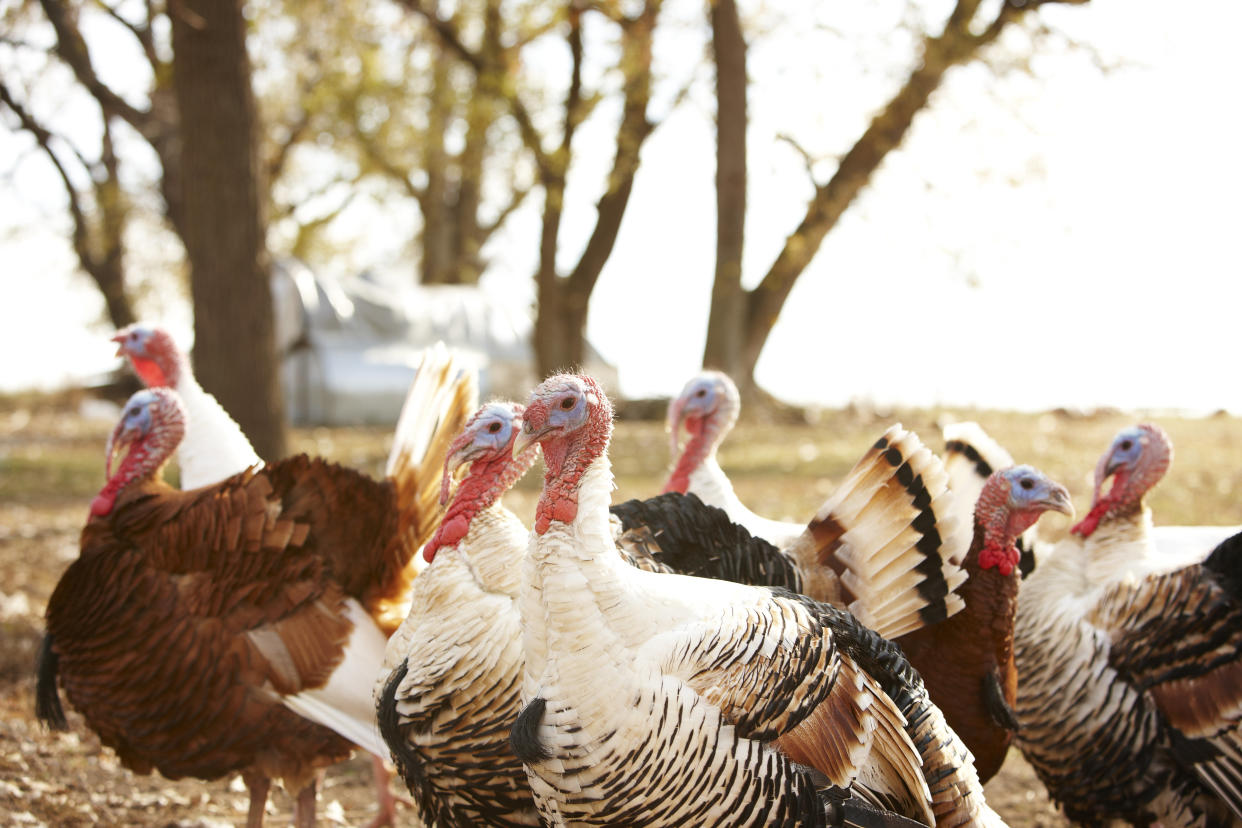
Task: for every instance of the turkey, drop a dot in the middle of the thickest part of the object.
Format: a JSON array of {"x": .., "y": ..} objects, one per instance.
[
  {"x": 267, "y": 594},
  {"x": 1130, "y": 704},
  {"x": 970, "y": 457},
  {"x": 661, "y": 699},
  {"x": 453, "y": 669},
  {"x": 214, "y": 446},
  {"x": 708, "y": 407},
  {"x": 967, "y": 661},
  {"x": 884, "y": 545}
]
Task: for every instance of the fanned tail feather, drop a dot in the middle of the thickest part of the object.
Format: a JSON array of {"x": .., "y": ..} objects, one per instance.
[
  {"x": 891, "y": 535},
  {"x": 441, "y": 398}
]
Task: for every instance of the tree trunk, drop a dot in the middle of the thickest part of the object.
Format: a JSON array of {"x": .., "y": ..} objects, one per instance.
[
  {"x": 563, "y": 344},
  {"x": 109, "y": 265},
  {"x": 234, "y": 351},
  {"x": 726, "y": 322},
  {"x": 960, "y": 42},
  {"x": 437, "y": 233},
  {"x": 560, "y": 327}
]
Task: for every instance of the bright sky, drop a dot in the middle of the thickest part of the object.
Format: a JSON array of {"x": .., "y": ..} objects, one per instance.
[{"x": 1108, "y": 275}]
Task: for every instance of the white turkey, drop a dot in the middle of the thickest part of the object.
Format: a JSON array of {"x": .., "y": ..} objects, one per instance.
[
  {"x": 452, "y": 674},
  {"x": 708, "y": 408},
  {"x": 1130, "y": 703},
  {"x": 660, "y": 699},
  {"x": 214, "y": 446}
]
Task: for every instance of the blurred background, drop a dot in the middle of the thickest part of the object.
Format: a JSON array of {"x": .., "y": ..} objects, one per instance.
[{"x": 1019, "y": 205}]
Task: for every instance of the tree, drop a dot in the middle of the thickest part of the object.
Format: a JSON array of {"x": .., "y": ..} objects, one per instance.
[
  {"x": 218, "y": 219},
  {"x": 560, "y": 324},
  {"x": 728, "y": 307},
  {"x": 962, "y": 39},
  {"x": 404, "y": 120},
  {"x": 99, "y": 212},
  {"x": 235, "y": 349}
]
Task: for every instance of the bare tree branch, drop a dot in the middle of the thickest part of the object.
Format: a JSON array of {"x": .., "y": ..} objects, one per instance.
[
  {"x": 956, "y": 44},
  {"x": 519, "y": 195},
  {"x": 103, "y": 259},
  {"x": 43, "y": 137},
  {"x": 632, "y": 132},
  {"x": 451, "y": 38},
  {"x": 72, "y": 50},
  {"x": 142, "y": 33},
  {"x": 808, "y": 160}
]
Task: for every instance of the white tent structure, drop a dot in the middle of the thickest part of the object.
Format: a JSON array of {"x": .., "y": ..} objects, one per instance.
[{"x": 350, "y": 349}]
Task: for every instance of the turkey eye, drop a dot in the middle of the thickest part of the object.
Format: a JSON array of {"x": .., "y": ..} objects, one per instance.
[
  {"x": 702, "y": 392},
  {"x": 567, "y": 403},
  {"x": 493, "y": 428},
  {"x": 1126, "y": 445},
  {"x": 1027, "y": 483}
]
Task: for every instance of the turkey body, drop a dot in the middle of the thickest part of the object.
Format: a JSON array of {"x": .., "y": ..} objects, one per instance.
[
  {"x": 453, "y": 682},
  {"x": 968, "y": 667},
  {"x": 1130, "y": 700},
  {"x": 189, "y": 615},
  {"x": 1134, "y": 713}
]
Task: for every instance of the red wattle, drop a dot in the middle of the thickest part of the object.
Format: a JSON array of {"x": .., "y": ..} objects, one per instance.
[
  {"x": 450, "y": 533},
  {"x": 1091, "y": 522},
  {"x": 102, "y": 504},
  {"x": 561, "y": 508},
  {"x": 1003, "y": 560}
]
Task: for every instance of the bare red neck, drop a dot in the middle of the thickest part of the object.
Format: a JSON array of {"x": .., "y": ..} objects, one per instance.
[
  {"x": 145, "y": 460},
  {"x": 566, "y": 457},
  {"x": 487, "y": 480},
  {"x": 703, "y": 438}
]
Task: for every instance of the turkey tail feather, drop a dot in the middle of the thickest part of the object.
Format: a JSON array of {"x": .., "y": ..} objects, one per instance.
[
  {"x": 891, "y": 536},
  {"x": 47, "y": 696},
  {"x": 681, "y": 532},
  {"x": 441, "y": 398}
]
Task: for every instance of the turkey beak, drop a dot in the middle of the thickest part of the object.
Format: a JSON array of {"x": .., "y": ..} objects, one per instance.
[
  {"x": 527, "y": 436},
  {"x": 119, "y": 339},
  {"x": 117, "y": 440},
  {"x": 1104, "y": 469},
  {"x": 673, "y": 425},
  {"x": 452, "y": 463},
  {"x": 1058, "y": 500}
]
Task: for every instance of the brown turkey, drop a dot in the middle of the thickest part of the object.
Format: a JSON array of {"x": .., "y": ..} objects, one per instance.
[
  {"x": 194, "y": 623},
  {"x": 967, "y": 661}
]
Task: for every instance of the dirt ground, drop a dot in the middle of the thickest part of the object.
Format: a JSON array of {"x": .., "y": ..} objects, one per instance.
[{"x": 51, "y": 464}]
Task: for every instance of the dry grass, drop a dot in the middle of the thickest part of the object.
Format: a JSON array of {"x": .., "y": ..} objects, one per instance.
[{"x": 51, "y": 464}]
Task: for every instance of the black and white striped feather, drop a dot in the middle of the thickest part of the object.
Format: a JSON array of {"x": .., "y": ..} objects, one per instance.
[{"x": 1131, "y": 695}]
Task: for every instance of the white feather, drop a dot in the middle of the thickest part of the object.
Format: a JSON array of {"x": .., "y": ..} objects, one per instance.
[
  {"x": 214, "y": 447},
  {"x": 344, "y": 704}
]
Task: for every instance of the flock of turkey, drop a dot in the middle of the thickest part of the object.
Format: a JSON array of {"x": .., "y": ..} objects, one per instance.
[{"x": 672, "y": 661}]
